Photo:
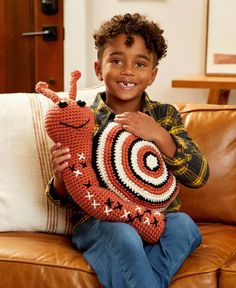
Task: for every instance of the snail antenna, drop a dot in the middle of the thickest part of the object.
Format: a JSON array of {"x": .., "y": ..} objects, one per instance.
[
  {"x": 42, "y": 87},
  {"x": 75, "y": 75}
]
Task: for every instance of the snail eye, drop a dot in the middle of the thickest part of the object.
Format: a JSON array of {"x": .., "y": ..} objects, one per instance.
[
  {"x": 81, "y": 103},
  {"x": 62, "y": 104}
]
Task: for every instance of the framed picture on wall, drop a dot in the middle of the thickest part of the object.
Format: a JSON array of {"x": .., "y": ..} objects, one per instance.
[{"x": 221, "y": 38}]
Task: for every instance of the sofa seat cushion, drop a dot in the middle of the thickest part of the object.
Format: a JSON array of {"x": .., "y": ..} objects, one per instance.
[
  {"x": 228, "y": 273},
  {"x": 212, "y": 257},
  {"x": 42, "y": 260},
  {"x": 37, "y": 257}
]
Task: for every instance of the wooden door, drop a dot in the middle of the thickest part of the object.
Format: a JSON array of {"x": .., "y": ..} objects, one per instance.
[{"x": 25, "y": 60}]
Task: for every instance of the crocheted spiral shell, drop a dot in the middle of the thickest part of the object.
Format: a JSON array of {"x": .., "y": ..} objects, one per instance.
[{"x": 133, "y": 168}]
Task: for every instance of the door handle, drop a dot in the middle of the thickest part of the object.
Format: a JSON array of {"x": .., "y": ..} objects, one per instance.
[{"x": 49, "y": 33}]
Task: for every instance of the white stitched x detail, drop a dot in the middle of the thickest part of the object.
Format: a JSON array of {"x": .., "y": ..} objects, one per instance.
[
  {"x": 139, "y": 209},
  {"x": 77, "y": 172},
  {"x": 81, "y": 156},
  {"x": 89, "y": 196},
  {"x": 95, "y": 204},
  {"x": 147, "y": 221},
  {"x": 125, "y": 215},
  {"x": 157, "y": 213},
  {"x": 107, "y": 211}
]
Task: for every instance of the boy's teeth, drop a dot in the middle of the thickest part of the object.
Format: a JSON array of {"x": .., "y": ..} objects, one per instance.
[{"x": 127, "y": 84}]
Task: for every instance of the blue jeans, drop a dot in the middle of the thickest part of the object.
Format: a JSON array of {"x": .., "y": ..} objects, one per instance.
[{"x": 121, "y": 259}]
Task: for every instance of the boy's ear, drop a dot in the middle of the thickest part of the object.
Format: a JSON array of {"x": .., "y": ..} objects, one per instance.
[
  {"x": 153, "y": 76},
  {"x": 98, "y": 70}
]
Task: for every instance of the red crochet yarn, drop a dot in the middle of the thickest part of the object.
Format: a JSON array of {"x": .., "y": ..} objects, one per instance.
[{"x": 72, "y": 124}]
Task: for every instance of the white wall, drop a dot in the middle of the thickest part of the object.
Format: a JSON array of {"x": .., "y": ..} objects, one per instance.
[{"x": 184, "y": 22}]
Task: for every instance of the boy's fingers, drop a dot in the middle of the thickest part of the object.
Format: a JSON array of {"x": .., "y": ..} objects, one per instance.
[
  {"x": 58, "y": 169},
  {"x": 59, "y": 157},
  {"x": 59, "y": 152},
  {"x": 55, "y": 147},
  {"x": 122, "y": 120},
  {"x": 59, "y": 163},
  {"x": 126, "y": 115}
]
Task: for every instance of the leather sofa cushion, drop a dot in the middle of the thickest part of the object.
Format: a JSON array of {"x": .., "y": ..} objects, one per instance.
[
  {"x": 50, "y": 258},
  {"x": 228, "y": 273},
  {"x": 53, "y": 260},
  {"x": 213, "y": 127},
  {"x": 211, "y": 258}
]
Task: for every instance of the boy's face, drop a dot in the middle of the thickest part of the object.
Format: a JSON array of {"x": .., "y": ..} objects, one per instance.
[{"x": 126, "y": 71}]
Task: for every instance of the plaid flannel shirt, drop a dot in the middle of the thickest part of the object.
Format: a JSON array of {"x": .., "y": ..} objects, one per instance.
[{"x": 189, "y": 165}]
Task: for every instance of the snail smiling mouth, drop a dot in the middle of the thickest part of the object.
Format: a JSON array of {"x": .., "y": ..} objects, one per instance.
[{"x": 73, "y": 126}]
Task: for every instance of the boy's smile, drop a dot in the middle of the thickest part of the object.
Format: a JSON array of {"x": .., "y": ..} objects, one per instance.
[{"x": 126, "y": 71}]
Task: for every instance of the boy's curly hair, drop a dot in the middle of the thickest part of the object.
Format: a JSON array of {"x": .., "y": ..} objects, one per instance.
[{"x": 132, "y": 24}]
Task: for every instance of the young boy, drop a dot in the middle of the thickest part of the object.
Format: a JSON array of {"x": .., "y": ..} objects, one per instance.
[{"x": 129, "y": 49}]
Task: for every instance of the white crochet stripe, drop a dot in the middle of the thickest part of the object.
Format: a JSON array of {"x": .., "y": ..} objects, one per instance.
[
  {"x": 152, "y": 162},
  {"x": 100, "y": 161}
]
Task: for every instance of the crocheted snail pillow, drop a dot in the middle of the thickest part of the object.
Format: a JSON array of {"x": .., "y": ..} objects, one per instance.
[{"x": 71, "y": 123}]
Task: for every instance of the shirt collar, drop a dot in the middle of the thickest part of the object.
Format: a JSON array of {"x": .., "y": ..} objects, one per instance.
[{"x": 105, "y": 113}]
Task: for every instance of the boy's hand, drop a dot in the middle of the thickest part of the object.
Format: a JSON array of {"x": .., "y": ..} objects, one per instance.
[
  {"x": 59, "y": 161},
  {"x": 139, "y": 124},
  {"x": 146, "y": 128}
]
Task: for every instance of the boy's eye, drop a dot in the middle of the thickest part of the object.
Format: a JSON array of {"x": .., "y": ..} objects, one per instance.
[
  {"x": 116, "y": 61},
  {"x": 62, "y": 104},
  {"x": 140, "y": 65}
]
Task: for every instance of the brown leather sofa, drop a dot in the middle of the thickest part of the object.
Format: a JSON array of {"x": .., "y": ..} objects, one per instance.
[{"x": 44, "y": 260}]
